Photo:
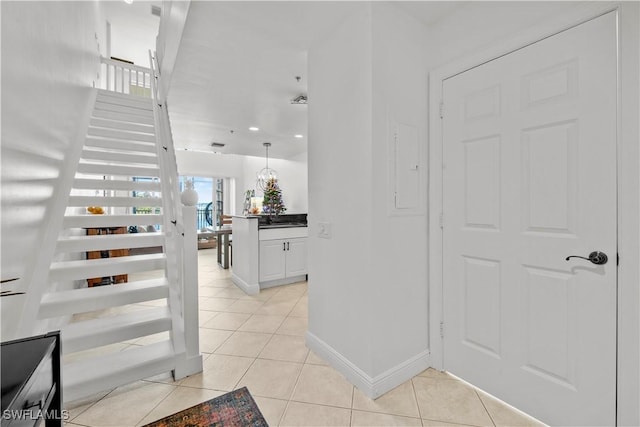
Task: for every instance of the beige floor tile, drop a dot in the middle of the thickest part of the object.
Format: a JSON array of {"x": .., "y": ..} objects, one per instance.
[
  {"x": 314, "y": 359},
  {"x": 504, "y": 415},
  {"x": 450, "y": 401},
  {"x": 220, "y": 372},
  {"x": 248, "y": 344},
  {"x": 271, "y": 409},
  {"x": 231, "y": 293},
  {"x": 323, "y": 385},
  {"x": 125, "y": 406},
  {"x": 220, "y": 282},
  {"x": 165, "y": 378},
  {"x": 305, "y": 414},
  {"x": 372, "y": 419},
  {"x": 276, "y": 308},
  {"x": 180, "y": 399},
  {"x": 294, "y": 326},
  {"x": 434, "y": 423},
  {"x": 301, "y": 309},
  {"x": 264, "y": 295},
  {"x": 204, "y": 316},
  {"x": 208, "y": 291},
  {"x": 399, "y": 401},
  {"x": 215, "y": 304},
  {"x": 212, "y": 339},
  {"x": 262, "y": 323},
  {"x": 227, "y": 321},
  {"x": 77, "y": 407},
  {"x": 285, "y": 347},
  {"x": 271, "y": 378},
  {"x": 244, "y": 306},
  {"x": 438, "y": 375}
]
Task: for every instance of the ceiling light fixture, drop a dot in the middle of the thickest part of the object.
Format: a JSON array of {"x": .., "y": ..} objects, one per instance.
[
  {"x": 266, "y": 174},
  {"x": 298, "y": 136},
  {"x": 128, "y": 1},
  {"x": 254, "y": 129}
]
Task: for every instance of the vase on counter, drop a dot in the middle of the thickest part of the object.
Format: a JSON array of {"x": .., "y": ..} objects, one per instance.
[{"x": 189, "y": 196}]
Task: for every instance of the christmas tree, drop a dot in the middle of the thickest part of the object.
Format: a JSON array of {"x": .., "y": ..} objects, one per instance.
[{"x": 272, "y": 203}]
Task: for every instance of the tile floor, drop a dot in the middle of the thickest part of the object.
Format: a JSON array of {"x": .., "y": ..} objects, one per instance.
[{"x": 258, "y": 342}]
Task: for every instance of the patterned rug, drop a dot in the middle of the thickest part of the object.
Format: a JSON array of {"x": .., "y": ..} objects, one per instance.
[{"x": 234, "y": 409}]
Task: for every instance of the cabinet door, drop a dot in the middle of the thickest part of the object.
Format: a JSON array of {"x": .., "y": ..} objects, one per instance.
[
  {"x": 296, "y": 257},
  {"x": 272, "y": 260}
]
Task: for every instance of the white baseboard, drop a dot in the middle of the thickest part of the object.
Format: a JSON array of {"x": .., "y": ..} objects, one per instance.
[
  {"x": 372, "y": 387},
  {"x": 249, "y": 289},
  {"x": 285, "y": 281}
]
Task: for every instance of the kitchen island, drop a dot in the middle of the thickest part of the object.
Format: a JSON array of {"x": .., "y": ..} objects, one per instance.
[{"x": 269, "y": 251}]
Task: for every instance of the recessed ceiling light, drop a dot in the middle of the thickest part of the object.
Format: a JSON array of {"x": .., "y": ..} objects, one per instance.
[
  {"x": 298, "y": 136},
  {"x": 254, "y": 129},
  {"x": 128, "y": 1}
]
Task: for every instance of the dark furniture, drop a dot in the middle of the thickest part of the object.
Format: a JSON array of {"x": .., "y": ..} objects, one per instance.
[
  {"x": 101, "y": 281},
  {"x": 31, "y": 381}
]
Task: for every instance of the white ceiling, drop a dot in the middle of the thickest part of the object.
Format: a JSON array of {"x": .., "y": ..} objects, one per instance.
[{"x": 237, "y": 67}]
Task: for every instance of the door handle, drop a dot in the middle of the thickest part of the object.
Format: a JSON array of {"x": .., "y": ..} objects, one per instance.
[
  {"x": 596, "y": 257},
  {"x": 287, "y": 245},
  {"x": 284, "y": 246}
]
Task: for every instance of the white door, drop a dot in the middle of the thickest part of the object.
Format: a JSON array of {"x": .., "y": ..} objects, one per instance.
[
  {"x": 272, "y": 260},
  {"x": 529, "y": 178},
  {"x": 296, "y": 257}
]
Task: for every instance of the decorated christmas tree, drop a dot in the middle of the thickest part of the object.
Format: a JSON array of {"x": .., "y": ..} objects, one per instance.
[{"x": 272, "y": 203}]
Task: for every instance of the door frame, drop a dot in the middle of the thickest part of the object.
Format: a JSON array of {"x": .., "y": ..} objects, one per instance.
[{"x": 628, "y": 177}]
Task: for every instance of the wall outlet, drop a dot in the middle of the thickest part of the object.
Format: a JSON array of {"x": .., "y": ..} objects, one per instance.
[{"x": 324, "y": 230}]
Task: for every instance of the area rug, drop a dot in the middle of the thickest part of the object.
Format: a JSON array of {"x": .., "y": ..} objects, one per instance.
[{"x": 234, "y": 409}]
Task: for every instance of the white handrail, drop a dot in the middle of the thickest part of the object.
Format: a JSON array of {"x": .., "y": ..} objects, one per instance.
[{"x": 123, "y": 77}]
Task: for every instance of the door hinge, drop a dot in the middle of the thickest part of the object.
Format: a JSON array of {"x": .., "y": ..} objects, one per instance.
[
  {"x": 442, "y": 329},
  {"x": 442, "y": 220},
  {"x": 442, "y": 109}
]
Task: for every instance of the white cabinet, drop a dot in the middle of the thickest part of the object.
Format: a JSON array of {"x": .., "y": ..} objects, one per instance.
[{"x": 282, "y": 258}]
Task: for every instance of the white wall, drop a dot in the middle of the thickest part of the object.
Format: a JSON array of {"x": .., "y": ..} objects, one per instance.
[
  {"x": 292, "y": 174},
  {"x": 49, "y": 64},
  {"x": 340, "y": 189}
]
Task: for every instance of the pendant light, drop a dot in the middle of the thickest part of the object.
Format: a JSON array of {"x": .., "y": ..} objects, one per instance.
[{"x": 266, "y": 174}]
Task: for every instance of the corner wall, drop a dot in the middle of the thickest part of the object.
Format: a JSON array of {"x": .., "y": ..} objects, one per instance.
[{"x": 50, "y": 61}]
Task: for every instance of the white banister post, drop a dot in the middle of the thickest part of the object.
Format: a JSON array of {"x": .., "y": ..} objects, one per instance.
[{"x": 192, "y": 363}]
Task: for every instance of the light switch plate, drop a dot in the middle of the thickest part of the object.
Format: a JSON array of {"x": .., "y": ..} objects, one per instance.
[{"x": 324, "y": 230}]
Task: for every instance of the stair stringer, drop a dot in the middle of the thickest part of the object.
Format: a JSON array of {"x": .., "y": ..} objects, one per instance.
[{"x": 38, "y": 282}]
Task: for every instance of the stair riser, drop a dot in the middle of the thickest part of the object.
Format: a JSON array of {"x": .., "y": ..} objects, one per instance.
[
  {"x": 98, "y": 221},
  {"x": 112, "y": 241},
  {"x": 121, "y": 202},
  {"x": 91, "y": 299},
  {"x": 99, "y": 338},
  {"x": 111, "y": 124},
  {"x": 95, "y": 269},
  {"x": 117, "y": 144},
  {"x": 108, "y": 184},
  {"x": 121, "y": 134},
  {"x": 117, "y": 170},
  {"x": 107, "y": 156},
  {"x": 123, "y": 109},
  {"x": 123, "y": 117}
]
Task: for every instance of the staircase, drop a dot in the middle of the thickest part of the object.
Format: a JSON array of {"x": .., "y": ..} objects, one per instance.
[{"x": 103, "y": 326}]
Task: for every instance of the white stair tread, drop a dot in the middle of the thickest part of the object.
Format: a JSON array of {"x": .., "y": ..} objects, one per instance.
[
  {"x": 114, "y": 201},
  {"x": 104, "y": 267},
  {"x": 97, "y": 221},
  {"x": 110, "y": 156},
  {"x": 119, "y": 144},
  {"x": 109, "y": 241},
  {"x": 104, "y": 93},
  {"x": 90, "y": 299},
  {"x": 106, "y": 106},
  {"x": 121, "y": 134},
  {"x": 118, "y": 170},
  {"x": 94, "y": 333},
  {"x": 125, "y": 99},
  {"x": 89, "y": 376},
  {"x": 114, "y": 124},
  {"x": 116, "y": 184},
  {"x": 122, "y": 117}
]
